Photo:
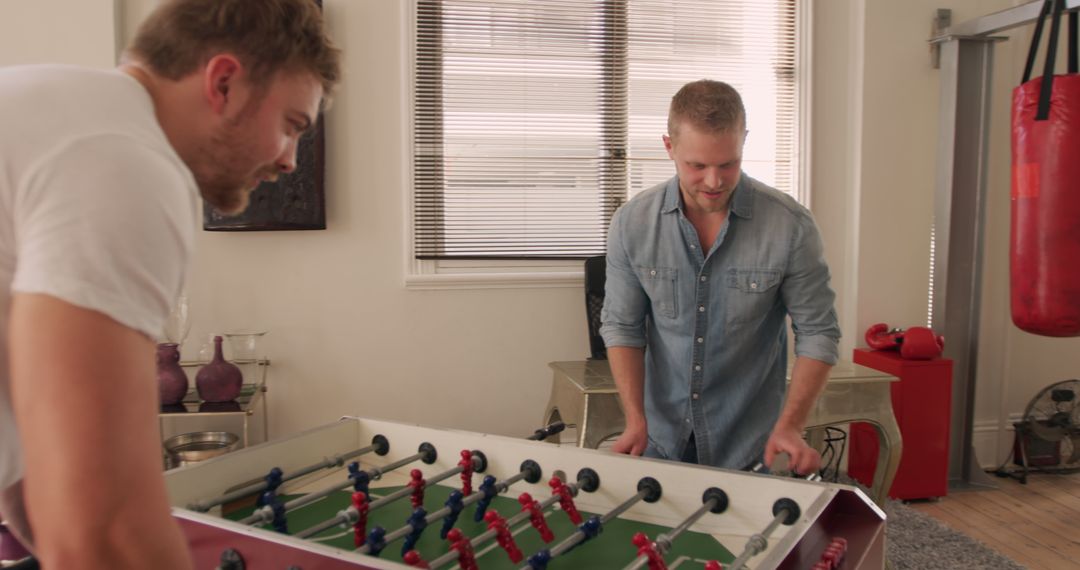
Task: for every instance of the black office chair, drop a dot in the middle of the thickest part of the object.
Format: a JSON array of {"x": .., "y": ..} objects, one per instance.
[{"x": 595, "y": 276}]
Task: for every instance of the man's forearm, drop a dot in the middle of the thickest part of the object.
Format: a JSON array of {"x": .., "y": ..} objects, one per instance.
[
  {"x": 90, "y": 506},
  {"x": 808, "y": 378},
  {"x": 628, "y": 369}
]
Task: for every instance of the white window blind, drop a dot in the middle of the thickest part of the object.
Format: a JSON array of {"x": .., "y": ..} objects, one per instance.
[{"x": 534, "y": 119}]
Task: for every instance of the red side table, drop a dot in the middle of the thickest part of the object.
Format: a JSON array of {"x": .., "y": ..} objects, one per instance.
[{"x": 921, "y": 401}]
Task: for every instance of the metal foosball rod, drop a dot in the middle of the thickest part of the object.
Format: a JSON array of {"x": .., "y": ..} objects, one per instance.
[
  {"x": 379, "y": 444},
  {"x": 649, "y": 490},
  {"x": 714, "y": 500},
  {"x": 351, "y": 515},
  {"x": 587, "y": 480},
  {"x": 785, "y": 511},
  {"x": 265, "y": 514},
  {"x": 530, "y": 471}
]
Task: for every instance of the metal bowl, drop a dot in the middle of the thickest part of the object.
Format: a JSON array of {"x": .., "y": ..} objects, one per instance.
[{"x": 188, "y": 448}]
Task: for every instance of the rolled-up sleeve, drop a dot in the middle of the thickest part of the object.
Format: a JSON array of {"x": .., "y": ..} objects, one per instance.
[
  {"x": 808, "y": 297},
  {"x": 625, "y": 302}
]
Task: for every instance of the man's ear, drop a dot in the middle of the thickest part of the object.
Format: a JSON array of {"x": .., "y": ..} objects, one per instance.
[
  {"x": 668, "y": 146},
  {"x": 220, "y": 79}
]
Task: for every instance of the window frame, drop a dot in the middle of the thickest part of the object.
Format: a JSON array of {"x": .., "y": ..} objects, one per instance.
[{"x": 428, "y": 274}]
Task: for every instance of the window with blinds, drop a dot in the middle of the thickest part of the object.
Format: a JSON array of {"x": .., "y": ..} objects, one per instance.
[{"x": 534, "y": 119}]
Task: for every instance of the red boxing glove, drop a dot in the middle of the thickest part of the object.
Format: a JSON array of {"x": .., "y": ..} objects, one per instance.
[
  {"x": 881, "y": 337},
  {"x": 920, "y": 343}
]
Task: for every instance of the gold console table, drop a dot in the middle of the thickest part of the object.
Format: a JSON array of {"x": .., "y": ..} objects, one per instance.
[
  {"x": 583, "y": 395},
  {"x": 252, "y": 394}
]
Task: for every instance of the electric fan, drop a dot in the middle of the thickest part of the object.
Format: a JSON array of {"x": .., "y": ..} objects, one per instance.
[{"x": 1048, "y": 436}]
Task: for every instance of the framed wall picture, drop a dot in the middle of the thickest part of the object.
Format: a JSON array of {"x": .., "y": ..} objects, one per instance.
[{"x": 295, "y": 201}]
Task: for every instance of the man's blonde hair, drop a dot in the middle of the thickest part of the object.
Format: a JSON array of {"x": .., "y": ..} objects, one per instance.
[
  {"x": 267, "y": 36},
  {"x": 711, "y": 106}
]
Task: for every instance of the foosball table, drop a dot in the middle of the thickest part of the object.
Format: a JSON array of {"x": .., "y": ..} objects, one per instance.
[{"x": 365, "y": 493}]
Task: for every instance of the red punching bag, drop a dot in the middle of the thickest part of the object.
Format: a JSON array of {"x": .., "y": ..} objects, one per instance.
[{"x": 1045, "y": 241}]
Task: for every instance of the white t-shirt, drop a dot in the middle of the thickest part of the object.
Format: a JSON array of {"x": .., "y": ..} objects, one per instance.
[{"x": 96, "y": 208}]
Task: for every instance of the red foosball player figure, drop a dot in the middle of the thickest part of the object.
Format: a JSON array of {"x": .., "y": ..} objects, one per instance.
[
  {"x": 536, "y": 516},
  {"x": 503, "y": 535},
  {"x": 360, "y": 503},
  {"x": 713, "y": 565},
  {"x": 566, "y": 500},
  {"x": 417, "y": 483},
  {"x": 647, "y": 548},
  {"x": 458, "y": 542},
  {"x": 466, "y": 472},
  {"x": 412, "y": 558},
  {"x": 834, "y": 554}
]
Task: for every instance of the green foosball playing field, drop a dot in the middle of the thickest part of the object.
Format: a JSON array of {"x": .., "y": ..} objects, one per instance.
[{"x": 612, "y": 548}]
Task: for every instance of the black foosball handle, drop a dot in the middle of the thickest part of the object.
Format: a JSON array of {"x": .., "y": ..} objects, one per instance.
[
  {"x": 548, "y": 431},
  {"x": 28, "y": 563}
]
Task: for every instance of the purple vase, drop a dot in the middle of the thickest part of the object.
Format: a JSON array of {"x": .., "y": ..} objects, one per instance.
[
  {"x": 219, "y": 381},
  {"x": 10, "y": 547},
  {"x": 172, "y": 382}
]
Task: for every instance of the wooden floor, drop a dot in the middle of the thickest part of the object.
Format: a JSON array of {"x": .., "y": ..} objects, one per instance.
[{"x": 1037, "y": 525}]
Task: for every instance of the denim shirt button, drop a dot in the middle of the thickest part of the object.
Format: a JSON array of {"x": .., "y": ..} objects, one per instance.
[
  {"x": 700, "y": 340},
  {"x": 697, "y": 367},
  {"x": 653, "y": 272},
  {"x": 701, "y": 308},
  {"x": 753, "y": 285},
  {"x": 694, "y": 395},
  {"x": 704, "y": 278}
]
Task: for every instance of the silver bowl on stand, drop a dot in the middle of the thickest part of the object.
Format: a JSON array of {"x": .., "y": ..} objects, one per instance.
[{"x": 188, "y": 448}]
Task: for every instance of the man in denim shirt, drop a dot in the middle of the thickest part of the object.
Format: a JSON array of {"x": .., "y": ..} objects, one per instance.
[{"x": 701, "y": 272}]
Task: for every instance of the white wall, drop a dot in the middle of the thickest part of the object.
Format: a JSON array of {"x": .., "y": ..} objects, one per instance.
[{"x": 346, "y": 337}]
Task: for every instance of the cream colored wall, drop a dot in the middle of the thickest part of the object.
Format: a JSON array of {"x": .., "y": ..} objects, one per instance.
[
  {"x": 888, "y": 135},
  {"x": 898, "y": 167},
  {"x": 1022, "y": 363},
  {"x": 348, "y": 338},
  {"x": 57, "y": 31}
]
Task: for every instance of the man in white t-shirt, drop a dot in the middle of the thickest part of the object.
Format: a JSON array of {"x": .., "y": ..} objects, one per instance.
[{"x": 100, "y": 173}]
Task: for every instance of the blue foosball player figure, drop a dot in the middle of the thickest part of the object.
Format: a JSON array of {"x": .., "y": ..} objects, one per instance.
[
  {"x": 539, "y": 561},
  {"x": 418, "y": 522},
  {"x": 376, "y": 540},
  {"x": 488, "y": 490},
  {"x": 273, "y": 481},
  {"x": 269, "y": 499},
  {"x": 360, "y": 479},
  {"x": 456, "y": 505}
]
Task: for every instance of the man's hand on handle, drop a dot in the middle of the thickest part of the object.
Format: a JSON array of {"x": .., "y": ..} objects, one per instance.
[
  {"x": 803, "y": 458},
  {"x": 632, "y": 441}
]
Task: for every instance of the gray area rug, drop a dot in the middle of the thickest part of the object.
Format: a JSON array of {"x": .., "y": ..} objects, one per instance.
[{"x": 915, "y": 541}]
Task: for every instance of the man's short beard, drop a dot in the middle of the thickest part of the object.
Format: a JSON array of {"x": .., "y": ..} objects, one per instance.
[
  {"x": 226, "y": 198},
  {"x": 219, "y": 183}
]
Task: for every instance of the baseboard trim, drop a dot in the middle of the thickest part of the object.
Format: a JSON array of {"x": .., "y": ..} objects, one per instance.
[{"x": 993, "y": 444}]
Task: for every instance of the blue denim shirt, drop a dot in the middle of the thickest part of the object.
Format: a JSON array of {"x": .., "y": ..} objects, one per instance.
[{"x": 713, "y": 323}]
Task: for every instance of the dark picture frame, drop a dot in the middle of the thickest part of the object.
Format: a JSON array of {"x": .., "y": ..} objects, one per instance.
[{"x": 296, "y": 201}]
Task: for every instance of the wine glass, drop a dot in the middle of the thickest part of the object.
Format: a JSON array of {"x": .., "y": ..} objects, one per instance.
[
  {"x": 247, "y": 352},
  {"x": 178, "y": 324},
  {"x": 245, "y": 345}
]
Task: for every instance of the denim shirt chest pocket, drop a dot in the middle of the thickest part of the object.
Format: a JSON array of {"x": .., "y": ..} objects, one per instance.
[
  {"x": 752, "y": 292},
  {"x": 659, "y": 284}
]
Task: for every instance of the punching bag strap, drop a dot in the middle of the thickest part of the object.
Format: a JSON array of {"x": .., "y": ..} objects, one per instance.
[
  {"x": 1047, "y": 86},
  {"x": 1034, "y": 49},
  {"x": 1073, "y": 43}
]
